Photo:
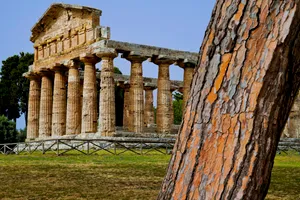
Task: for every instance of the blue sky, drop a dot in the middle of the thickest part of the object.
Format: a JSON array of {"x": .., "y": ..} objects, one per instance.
[{"x": 174, "y": 24}]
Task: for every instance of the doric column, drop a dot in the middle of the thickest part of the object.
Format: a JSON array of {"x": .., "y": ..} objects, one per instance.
[
  {"x": 149, "y": 110},
  {"x": 163, "y": 96},
  {"x": 187, "y": 80},
  {"x": 292, "y": 127},
  {"x": 33, "y": 106},
  {"x": 126, "y": 115},
  {"x": 73, "y": 99},
  {"x": 136, "y": 108},
  {"x": 107, "y": 112},
  {"x": 59, "y": 102},
  {"x": 45, "y": 121},
  {"x": 89, "y": 96}
]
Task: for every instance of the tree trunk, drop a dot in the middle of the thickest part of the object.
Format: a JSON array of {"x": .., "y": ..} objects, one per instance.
[{"x": 242, "y": 92}]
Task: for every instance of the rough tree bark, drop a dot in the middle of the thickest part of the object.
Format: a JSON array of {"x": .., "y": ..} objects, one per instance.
[{"x": 242, "y": 92}]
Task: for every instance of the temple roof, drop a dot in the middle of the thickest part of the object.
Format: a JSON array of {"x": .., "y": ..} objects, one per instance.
[{"x": 52, "y": 12}]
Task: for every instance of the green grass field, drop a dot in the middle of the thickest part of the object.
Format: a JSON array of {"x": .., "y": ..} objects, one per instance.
[{"x": 104, "y": 176}]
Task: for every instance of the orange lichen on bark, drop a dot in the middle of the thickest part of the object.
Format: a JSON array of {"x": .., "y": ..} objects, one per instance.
[{"x": 218, "y": 82}]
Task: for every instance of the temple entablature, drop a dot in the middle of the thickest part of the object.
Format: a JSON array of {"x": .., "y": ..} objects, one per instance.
[{"x": 66, "y": 31}]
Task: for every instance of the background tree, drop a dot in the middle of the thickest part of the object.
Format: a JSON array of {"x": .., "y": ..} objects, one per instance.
[
  {"x": 247, "y": 79},
  {"x": 8, "y": 132},
  {"x": 177, "y": 107},
  {"x": 14, "y": 87}
]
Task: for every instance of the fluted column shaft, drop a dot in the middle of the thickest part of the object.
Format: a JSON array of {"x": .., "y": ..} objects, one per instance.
[
  {"x": 33, "y": 108},
  {"x": 149, "y": 110},
  {"x": 163, "y": 99},
  {"x": 187, "y": 80},
  {"x": 136, "y": 108},
  {"x": 126, "y": 114},
  {"x": 73, "y": 100},
  {"x": 45, "y": 121},
  {"x": 59, "y": 103},
  {"x": 107, "y": 112},
  {"x": 89, "y": 96}
]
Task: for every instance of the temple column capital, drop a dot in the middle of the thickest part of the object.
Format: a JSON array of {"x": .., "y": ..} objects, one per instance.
[
  {"x": 185, "y": 64},
  {"x": 124, "y": 85},
  {"x": 149, "y": 87},
  {"x": 46, "y": 72},
  {"x": 32, "y": 76},
  {"x": 107, "y": 52},
  {"x": 88, "y": 58},
  {"x": 134, "y": 57},
  {"x": 72, "y": 64},
  {"x": 161, "y": 60}
]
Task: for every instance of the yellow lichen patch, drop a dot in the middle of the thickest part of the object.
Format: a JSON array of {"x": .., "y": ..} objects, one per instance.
[{"x": 218, "y": 82}]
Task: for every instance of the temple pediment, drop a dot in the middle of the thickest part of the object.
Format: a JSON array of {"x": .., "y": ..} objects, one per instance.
[{"x": 64, "y": 27}]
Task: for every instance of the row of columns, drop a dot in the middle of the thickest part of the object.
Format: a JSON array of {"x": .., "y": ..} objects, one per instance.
[{"x": 59, "y": 111}]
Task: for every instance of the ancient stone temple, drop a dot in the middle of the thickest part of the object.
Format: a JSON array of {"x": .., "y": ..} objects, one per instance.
[
  {"x": 292, "y": 126},
  {"x": 64, "y": 96}
]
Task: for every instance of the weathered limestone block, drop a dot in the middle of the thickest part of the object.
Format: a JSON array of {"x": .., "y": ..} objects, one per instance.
[
  {"x": 59, "y": 102},
  {"x": 89, "y": 99},
  {"x": 73, "y": 100},
  {"x": 163, "y": 97},
  {"x": 243, "y": 89},
  {"x": 136, "y": 108},
  {"x": 33, "y": 106},
  {"x": 149, "y": 109},
  {"x": 107, "y": 113},
  {"x": 68, "y": 17},
  {"x": 187, "y": 80},
  {"x": 45, "y": 121},
  {"x": 40, "y": 52}
]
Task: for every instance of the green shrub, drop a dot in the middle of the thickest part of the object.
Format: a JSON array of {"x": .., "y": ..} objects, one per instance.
[{"x": 8, "y": 132}]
